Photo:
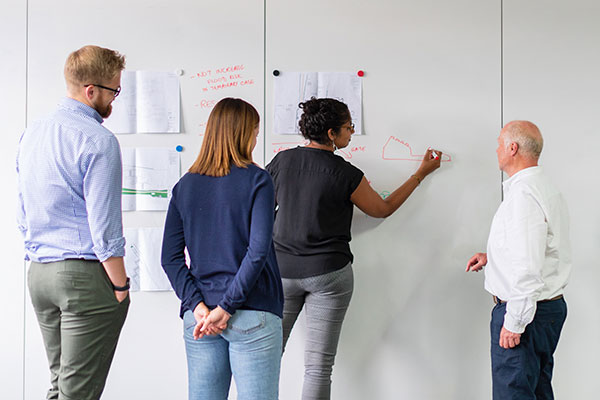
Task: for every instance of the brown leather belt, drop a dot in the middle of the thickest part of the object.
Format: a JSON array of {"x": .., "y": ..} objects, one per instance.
[{"x": 499, "y": 301}]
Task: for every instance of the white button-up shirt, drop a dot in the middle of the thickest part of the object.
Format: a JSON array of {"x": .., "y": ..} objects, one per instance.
[{"x": 528, "y": 251}]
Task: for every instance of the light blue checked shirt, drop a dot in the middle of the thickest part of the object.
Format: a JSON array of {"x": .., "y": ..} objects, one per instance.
[{"x": 69, "y": 179}]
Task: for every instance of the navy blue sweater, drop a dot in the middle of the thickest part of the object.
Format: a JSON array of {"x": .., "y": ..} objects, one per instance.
[{"x": 226, "y": 223}]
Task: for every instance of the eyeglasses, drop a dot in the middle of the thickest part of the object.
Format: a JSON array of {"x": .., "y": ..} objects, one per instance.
[
  {"x": 115, "y": 91},
  {"x": 351, "y": 127}
]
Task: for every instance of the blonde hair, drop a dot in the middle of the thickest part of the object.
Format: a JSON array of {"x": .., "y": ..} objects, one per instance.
[
  {"x": 228, "y": 138},
  {"x": 93, "y": 65}
]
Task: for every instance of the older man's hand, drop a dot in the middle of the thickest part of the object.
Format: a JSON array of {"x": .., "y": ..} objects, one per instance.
[
  {"x": 477, "y": 262},
  {"x": 508, "y": 339}
]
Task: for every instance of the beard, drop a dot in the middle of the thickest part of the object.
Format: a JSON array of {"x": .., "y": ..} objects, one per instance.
[
  {"x": 103, "y": 110},
  {"x": 105, "y": 113}
]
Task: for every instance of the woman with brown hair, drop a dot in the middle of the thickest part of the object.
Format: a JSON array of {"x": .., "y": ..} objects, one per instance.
[{"x": 231, "y": 294}]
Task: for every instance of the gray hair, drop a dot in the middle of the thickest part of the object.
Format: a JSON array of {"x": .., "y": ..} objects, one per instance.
[{"x": 527, "y": 136}]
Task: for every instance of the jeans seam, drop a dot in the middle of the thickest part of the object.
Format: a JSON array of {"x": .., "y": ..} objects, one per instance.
[{"x": 186, "y": 326}]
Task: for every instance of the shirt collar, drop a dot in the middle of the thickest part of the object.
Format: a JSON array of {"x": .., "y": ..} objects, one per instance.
[
  {"x": 77, "y": 106},
  {"x": 530, "y": 171}
]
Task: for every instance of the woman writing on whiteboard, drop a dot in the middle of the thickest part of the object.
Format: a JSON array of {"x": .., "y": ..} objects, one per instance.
[
  {"x": 316, "y": 191},
  {"x": 231, "y": 294}
]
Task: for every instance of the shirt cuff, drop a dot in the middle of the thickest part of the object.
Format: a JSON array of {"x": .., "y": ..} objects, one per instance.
[
  {"x": 114, "y": 248},
  {"x": 513, "y": 325}
]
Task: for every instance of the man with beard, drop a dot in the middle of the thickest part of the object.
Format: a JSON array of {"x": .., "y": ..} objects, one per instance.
[{"x": 69, "y": 179}]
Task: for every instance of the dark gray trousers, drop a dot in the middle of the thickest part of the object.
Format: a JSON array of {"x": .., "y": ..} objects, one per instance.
[
  {"x": 325, "y": 299},
  {"x": 80, "y": 319}
]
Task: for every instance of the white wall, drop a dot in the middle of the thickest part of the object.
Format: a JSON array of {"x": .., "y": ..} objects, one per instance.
[
  {"x": 417, "y": 326},
  {"x": 551, "y": 76},
  {"x": 12, "y": 117}
]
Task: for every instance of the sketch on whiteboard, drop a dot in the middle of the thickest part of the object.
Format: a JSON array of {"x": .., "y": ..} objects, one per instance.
[
  {"x": 149, "y": 175},
  {"x": 142, "y": 259},
  {"x": 347, "y": 152},
  {"x": 350, "y": 151},
  {"x": 397, "y": 149}
]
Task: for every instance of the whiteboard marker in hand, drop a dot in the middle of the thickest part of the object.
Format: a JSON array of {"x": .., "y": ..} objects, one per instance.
[{"x": 434, "y": 155}]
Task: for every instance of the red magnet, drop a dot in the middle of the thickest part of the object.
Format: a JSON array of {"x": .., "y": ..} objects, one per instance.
[{"x": 361, "y": 73}]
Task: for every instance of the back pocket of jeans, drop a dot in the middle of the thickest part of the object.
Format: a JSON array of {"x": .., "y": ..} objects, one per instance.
[
  {"x": 189, "y": 320},
  {"x": 247, "y": 321}
]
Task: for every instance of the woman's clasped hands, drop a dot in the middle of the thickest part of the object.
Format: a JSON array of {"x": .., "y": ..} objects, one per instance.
[{"x": 209, "y": 322}]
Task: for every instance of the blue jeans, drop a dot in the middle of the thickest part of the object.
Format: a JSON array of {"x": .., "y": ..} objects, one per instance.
[
  {"x": 250, "y": 349},
  {"x": 525, "y": 371}
]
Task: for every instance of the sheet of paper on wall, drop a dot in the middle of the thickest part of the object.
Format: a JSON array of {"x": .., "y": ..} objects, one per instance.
[
  {"x": 149, "y": 175},
  {"x": 148, "y": 103},
  {"x": 346, "y": 87},
  {"x": 142, "y": 259},
  {"x": 292, "y": 88}
]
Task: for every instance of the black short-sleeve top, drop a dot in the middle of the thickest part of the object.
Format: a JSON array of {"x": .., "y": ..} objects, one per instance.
[{"x": 313, "y": 211}]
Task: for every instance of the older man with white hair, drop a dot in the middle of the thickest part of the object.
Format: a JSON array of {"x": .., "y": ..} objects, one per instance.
[{"x": 528, "y": 263}]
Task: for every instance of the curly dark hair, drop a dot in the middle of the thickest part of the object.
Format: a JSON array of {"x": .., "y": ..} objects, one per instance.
[{"x": 320, "y": 115}]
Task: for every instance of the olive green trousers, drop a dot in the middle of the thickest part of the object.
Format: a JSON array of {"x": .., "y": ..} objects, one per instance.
[{"x": 80, "y": 319}]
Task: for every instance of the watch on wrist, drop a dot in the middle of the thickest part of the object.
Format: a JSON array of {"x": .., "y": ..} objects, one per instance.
[{"x": 122, "y": 288}]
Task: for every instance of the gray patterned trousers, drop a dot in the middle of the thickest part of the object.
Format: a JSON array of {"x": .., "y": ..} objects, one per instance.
[{"x": 325, "y": 299}]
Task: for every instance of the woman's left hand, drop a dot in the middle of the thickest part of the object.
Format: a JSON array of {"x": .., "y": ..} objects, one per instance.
[
  {"x": 213, "y": 324},
  {"x": 200, "y": 314}
]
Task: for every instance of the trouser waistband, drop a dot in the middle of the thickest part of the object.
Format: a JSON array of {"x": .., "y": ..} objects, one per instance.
[{"x": 500, "y": 301}]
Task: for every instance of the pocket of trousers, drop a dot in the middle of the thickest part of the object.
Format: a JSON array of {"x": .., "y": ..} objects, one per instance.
[
  {"x": 75, "y": 280},
  {"x": 76, "y": 292},
  {"x": 247, "y": 321},
  {"x": 85, "y": 292}
]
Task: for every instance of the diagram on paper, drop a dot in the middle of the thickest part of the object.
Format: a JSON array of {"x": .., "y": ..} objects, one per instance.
[
  {"x": 148, "y": 103},
  {"x": 149, "y": 175},
  {"x": 292, "y": 88},
  {"x": 142, "y": 259},
  {"x": 396, "y": 149}
]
